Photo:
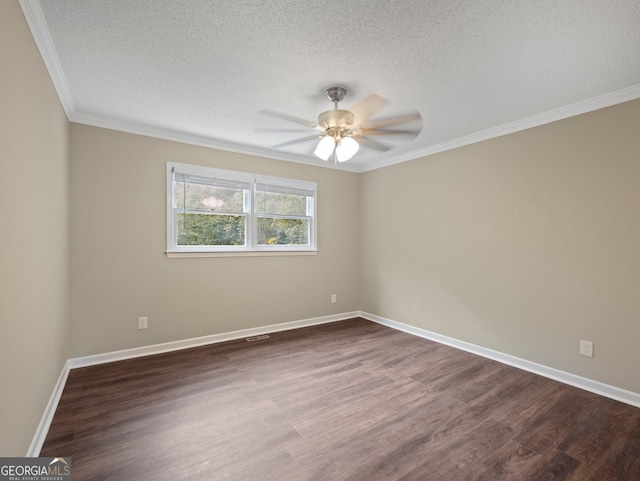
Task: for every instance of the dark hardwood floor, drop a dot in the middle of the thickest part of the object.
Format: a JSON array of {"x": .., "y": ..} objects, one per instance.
[{"x": 351, "y": 400}]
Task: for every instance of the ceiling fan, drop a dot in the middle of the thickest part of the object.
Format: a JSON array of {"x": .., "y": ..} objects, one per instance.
[{"x": 341, "y": 132}]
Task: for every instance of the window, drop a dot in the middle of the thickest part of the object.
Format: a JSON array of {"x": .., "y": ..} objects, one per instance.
[{"x": 222, "y": 212}]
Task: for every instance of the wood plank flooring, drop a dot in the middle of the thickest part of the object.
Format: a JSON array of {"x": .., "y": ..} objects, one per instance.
[{"x": 351, "y": 400}]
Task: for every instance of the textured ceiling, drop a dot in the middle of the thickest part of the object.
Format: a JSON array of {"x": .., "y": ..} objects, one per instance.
[{"x": 201, "y": 70}]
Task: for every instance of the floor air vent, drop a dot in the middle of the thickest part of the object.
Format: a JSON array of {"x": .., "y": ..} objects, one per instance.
[{"x": 258, "y": 338}]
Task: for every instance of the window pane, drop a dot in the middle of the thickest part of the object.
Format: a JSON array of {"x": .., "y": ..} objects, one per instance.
[
  {"x": 282, "y": 204},
  {"x": 215, "y": 210},
  {"x": 276, "y": 231},
  {"x": 209, "y": 198},
  {"x": 211, "y": 230}
]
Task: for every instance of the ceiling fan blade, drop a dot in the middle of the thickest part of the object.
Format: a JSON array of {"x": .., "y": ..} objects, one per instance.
[
  {"x": 389, "y": 121},
  {"x": 289, "y": 118},
  {"x": 408, "y": 134},
  {"x": 367, "y": 108},
  {"x": 297, "y": 141},
  {"x": 372, "y": 144},
  {"x": 284, "y": 131}
]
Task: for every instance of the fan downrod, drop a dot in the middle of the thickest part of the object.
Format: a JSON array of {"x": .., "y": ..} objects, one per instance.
[
  {"x": 336, "y": 94},
  {"x": 336, "y": 122}
]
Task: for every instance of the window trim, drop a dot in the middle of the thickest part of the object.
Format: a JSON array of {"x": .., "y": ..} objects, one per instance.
[{"x": 251, "y": 248}]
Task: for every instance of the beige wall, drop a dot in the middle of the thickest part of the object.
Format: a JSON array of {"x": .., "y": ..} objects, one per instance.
[
  {"x": 118, "y": 237},
  {"x": 524, "y": 244},
  {"x": 33, "y": 234}
]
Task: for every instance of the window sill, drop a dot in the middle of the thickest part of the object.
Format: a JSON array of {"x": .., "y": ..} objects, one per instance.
[{"x": 175, "y": 255}]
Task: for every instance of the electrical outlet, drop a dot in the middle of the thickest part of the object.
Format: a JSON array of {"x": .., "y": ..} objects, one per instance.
[
  {"x": 142, "y": 322},
  {"x": 334, "y": 299},
  {"x": 586, "y": 348}
]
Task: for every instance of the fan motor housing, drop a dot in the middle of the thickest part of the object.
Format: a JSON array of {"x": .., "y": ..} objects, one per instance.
[{"x": 336, "y": 119}]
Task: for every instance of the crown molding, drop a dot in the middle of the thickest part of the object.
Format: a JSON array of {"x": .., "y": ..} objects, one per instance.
[
  {"x": 200, "y": 140},
  {"x": 38, "y": 26},
  {"x": 40, "y": 32},
  {"x": 37, "y": 23},
  {"x": 582, "y": 107}
]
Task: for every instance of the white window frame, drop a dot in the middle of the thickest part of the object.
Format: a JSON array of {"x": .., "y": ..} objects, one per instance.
[{"x": 251, "y": 248}]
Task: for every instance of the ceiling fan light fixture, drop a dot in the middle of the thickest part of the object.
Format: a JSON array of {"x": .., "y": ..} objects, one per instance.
[
  {"x": 347, "y": 148},
  {"x": 325, "y": 147},
  {"x": 340, "y": 131}
]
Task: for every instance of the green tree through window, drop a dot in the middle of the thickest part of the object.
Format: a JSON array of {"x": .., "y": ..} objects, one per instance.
[{"x": 215, "y": 209}]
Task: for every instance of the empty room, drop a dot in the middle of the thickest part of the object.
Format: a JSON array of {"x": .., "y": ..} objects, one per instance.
[{"x": 288, "y": 240}]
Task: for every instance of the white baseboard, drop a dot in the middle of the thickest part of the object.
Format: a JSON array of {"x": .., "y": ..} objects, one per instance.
[
  {"x": 606, "y": 390},
  {"x": 204, "y": 340},
  {"x": 596, "y": 387},
  {"x": 49, "y": 411}
]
